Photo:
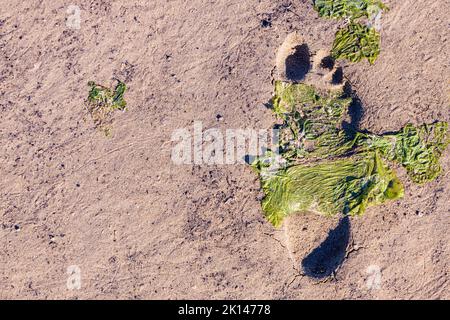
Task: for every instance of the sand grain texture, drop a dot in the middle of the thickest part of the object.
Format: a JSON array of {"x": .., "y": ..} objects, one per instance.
[{"x": 139, "y": 226}]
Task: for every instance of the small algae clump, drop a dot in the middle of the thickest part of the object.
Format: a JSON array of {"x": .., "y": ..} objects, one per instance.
[
  {"x": 356, "y": 42},
  {"x": 103, "y": 101},
  {"x": 351, "y": 9},
  {"x": 358, "y": 39}
]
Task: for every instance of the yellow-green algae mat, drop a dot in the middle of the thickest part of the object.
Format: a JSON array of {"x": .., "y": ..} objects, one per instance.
[
  {"x": 359, "y": 39},
  {"x": 320, "y": 167}
]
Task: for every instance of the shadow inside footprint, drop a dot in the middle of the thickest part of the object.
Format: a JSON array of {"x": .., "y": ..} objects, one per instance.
[
  {"x": 298, "y": 63},
  {"x": 338, "y": 76},
  {"x": 355, "y": 110},
  {"x": 327, "y": 63},
  {"x": 330, "y": 254}
]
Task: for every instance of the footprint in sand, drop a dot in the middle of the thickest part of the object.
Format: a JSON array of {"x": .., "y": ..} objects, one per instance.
[
  {"x": 296, "y": 63},
  {"x": 316, "y": 244}
]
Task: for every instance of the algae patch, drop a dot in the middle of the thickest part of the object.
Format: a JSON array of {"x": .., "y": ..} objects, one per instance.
[
  {"x": 356, "y": 42},
  {"x": 351, "y": 9},
  {"x": 323, "y": 168},
  {"x": 103, "y": 101},
  {"x": 347, "y": 186},
  {"x": 359, "y": 39}
]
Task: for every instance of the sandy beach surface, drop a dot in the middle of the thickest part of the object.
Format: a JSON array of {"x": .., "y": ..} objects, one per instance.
[{"x": 84, "y": 216}]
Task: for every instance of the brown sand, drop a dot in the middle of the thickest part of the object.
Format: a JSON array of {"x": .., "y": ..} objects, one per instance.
[{"x": 138, "y": 226}]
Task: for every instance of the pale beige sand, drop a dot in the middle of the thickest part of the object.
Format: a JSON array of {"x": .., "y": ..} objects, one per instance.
[{"x": 139, "y": 226}]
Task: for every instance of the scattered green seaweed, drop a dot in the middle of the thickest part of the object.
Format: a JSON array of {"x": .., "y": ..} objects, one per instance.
[
  {"x": 310, "y": 120},
  {"x": 321, "y": 167},
  {"x": 103, "y": 101},
  {"x": 418, "y": 149},
  {"x": 356, "y": 42},
  {"x": 351, "y": 9},
  {"x": 342, "y": 186}
]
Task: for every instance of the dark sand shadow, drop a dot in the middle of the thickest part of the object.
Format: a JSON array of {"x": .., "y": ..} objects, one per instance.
[
  {"x": 355, "y": 111},
  {"x": 330, "y": 254},
  {"x": 298, "y": 64}
]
